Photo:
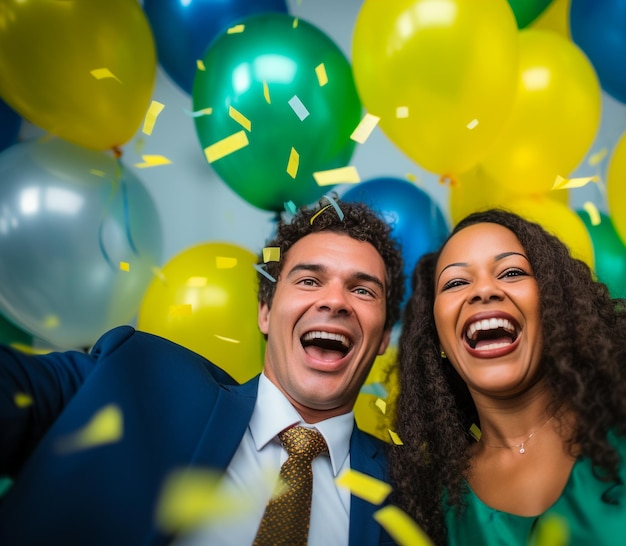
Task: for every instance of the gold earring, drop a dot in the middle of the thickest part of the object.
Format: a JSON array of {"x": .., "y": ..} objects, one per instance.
[{"x": 443, "y": 354}]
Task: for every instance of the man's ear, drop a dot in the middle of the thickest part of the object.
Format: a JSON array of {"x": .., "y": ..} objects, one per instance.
[
  {"x": 384, "y": 342},
  {"x": 263, "y": 318}
]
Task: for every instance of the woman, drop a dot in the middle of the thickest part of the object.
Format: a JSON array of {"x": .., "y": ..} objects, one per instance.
[{"x": 512, "y": 404}]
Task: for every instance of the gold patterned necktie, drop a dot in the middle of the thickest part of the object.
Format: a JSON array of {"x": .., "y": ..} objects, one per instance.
[{"x": 288, "y": 513}]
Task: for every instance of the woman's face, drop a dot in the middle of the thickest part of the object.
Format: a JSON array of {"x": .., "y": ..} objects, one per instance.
[{"x": 487, "y": 310}]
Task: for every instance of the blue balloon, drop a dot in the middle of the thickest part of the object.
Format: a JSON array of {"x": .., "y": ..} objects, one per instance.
[
  {"x": 10, "y": 123},
  {"x": 598, "y": 27},
  {"x": 184, "y": 29},
  {"x": 416, "y": 220}
]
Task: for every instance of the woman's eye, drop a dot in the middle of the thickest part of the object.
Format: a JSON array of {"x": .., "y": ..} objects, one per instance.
[
  {"x": 453, "y": 284},
  {"x": 513, "y": 272}
]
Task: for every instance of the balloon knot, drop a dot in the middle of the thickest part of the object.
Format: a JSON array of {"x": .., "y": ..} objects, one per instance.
[
  {"x": 117, "y": 152},
  {"x": 448, "y": 179}
]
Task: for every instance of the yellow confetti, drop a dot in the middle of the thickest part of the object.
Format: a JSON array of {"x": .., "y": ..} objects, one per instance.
[
  {"x": 191, "y": 496},
  {"x": 124, "y": 266},
  {"x": 552, "y": 530},
  {"x": 594, "y": 159},
  {"x": 364, "y": 486},
  {"x": 293, "y": 163},
  {"x": 266, "y": 93},
  {"x": 151, "y": 116},
  {"x": 402, "y": 528},
  {"x": 104, "y": 73},
  {"x": 197, "y": 282},
  {"x": 295, "y": 23},
  {"x": 105, "y": 427},
  {"x": 593, "y": 212},
  {"x": 402, "y": 112},
  {"x": 51, "y": 321},
  {"x": 320, "y": 72},
  {"x": 312, "y": 219},
  {"x": 29, "y": 350},
  {"x": 475, "y": 432},
  {"x": 96, "y": 172},
  {"x": 152, "y": 161},
  {"x": 240, "y": 118},
  {"x": 472, "y": 124},
  {"x": 561, "y": 183},
  {"x": 271, "y": 254},
  {"x": 227, "y": 339},
  {"x": 200, "y": 65},
  {"x": 343, "y": 175},
  {"x": 395, "y": 438},
  {"x": 183, "y": 310},
  {"x": 381, "y": 405},
  {"x": 364, "y": 128},
  {"x": 22, "y": 400},
  {"x": 237, "y": 29},
  {"x": 411, "y": 177},
  {"x": 225, "y": 262},
  {"x": 226, "y": 146}
]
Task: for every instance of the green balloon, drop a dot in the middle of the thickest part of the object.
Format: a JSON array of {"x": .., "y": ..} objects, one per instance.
[
  {"x": 12, "y": 335},
  {"x": 609, "y": 252},
  {"x": 272, "y": 75},
  {"x": 526, "y": 11}
]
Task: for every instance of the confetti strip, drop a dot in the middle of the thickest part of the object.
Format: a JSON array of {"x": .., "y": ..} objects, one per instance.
[
  {"x": 401, "y": 527},
  {"x": 240, "y": 118},
  {"x": 226, "y": 146},
  {"x": 299, "y": 108},
  {"x": 402, "y": 112},
  {"x": 105, "y": 427},
  {"x": 395, "y": 438},
  {"x": 318, "y": 213},
  {"x": 381, "y": 405},
  {"x": 97, "y": 172},
  {"x": 200, "y": 65},
  {"x": 271, "y": 254},
  {"x": 197, "y": 282},
  {"x": 124, "y": 266},
  {"x": 472, "y": 124},
  {"x": 364, "y": 128},
  {"x": 22, "y": 400},
  {"x": 334, "y": 205},
  {"x": 183, "y": 310},
  {"x": 225, "y": 262},
  {"x": 320, "y": 72},
  {"x": 227, "y": 339},
  {"x": 237, "y": 29},
  {"x": 475, "y": 432},
  {"x": 199, "y": 113},
  {"x": 103, "y": 74},
  {"x": 151, "y": 116},
  {"x": 290, "y": 208},
  {"x": 593, "y": 212},
  {"x": 152, "y": 161},
  {"x": 552, "y": 530},
  {"x": 343, "y": 175},
  {"x": 266, "y": 93},
  {"x": 364, "y": 486},
  {"x": 295, "y": 23},
  {"x": 377, "y": 389},
  {"x": 561, "y": 183},
  {"x": 262, "y": 271},
  {"x": 594, "y": 159},
  {"x": 293, "y": 163}
]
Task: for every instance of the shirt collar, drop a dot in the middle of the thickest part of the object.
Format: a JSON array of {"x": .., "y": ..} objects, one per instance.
[{"x": 274, "y": 413}]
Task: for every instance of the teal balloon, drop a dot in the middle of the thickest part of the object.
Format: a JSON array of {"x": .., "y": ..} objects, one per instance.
[
  {"x": 269, "y": 75},
  {"x": 79, "y": 240},
  {"x": 12, "y": 335},
  {"x": 609, "y": 253},
  {"x": 526, "y": 11}
]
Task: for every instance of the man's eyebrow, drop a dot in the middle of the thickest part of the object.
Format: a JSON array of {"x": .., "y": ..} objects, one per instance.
[
  {"x": 365, "y": 277},
  {"x": 497, "y": 257}
]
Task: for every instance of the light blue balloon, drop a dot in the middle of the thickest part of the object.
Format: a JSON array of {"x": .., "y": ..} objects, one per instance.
[{"x": 70, "y": 219}]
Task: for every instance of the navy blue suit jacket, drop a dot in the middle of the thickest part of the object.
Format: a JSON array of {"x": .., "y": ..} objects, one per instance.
[{"x": 178, "y": 410}]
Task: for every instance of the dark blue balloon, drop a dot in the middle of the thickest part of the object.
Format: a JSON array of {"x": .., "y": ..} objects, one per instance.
[
  {"x": 598, "y": 27},
  {"x": 10, "y": 123},
  {"x": 183, "y": 29},
  {"x": 416, "y": 220}
]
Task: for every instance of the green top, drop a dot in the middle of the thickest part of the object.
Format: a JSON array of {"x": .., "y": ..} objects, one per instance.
[{"x": 588, "y": 519}]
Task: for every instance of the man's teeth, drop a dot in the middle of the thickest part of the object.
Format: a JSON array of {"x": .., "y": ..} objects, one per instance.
[
  {"x": 489, "y": 324},
  {"x": 327, "y": 335}
]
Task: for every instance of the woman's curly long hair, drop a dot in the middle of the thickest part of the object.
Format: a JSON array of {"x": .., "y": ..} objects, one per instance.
[{"x": 584, "y": 359}]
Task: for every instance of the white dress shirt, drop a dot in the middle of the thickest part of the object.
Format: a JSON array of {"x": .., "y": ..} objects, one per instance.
[{"x": 252, "y": 474}]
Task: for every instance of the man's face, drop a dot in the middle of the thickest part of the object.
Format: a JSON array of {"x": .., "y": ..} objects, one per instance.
[{"x": 326, "y": 323}]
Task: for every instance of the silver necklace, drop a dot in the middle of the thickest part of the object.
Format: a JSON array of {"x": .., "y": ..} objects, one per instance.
[{"x": 522, "y": 445}]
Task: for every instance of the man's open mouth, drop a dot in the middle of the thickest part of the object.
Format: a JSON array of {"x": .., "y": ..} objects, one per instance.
[{"x": 326, "y": 345}]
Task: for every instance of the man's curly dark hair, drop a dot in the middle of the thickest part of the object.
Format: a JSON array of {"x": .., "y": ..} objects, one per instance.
[
  {"x": 584, "y": 359},
  {"x": 359, "y": 222}
]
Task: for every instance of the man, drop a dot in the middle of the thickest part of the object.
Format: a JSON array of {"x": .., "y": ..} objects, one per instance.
[{"x": 326, "y": 306}]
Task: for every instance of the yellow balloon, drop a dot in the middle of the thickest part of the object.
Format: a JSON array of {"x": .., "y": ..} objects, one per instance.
[
  {"x": 440, "y": 74},
  {"x": 475, "y": 190},
  {"x": 559, "y": 220},
  {"x": 616, "y": 187},
  {"x": 555, "y": 17},
  {"x": 555, "y": 117},
  {"x": 205, "y": 299},
  {"x": 82, "y": 70}
]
